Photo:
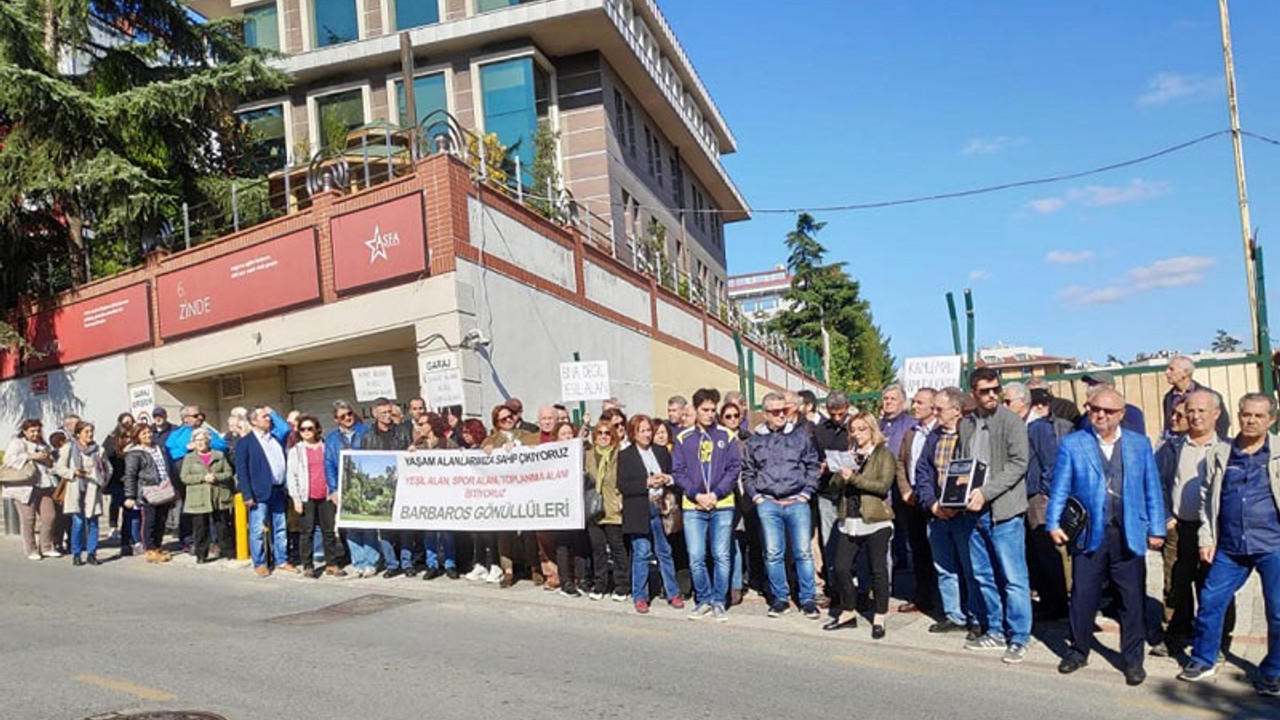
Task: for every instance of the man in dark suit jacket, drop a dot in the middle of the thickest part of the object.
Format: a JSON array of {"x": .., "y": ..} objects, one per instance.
[{"x": 260, "y": 471}]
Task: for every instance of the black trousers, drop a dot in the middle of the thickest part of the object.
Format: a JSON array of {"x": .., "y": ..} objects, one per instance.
[
  {"x": 1127, "y": 572},
  {"x": 322, "y": 513},
  {"x": 220, "y": 521},
  {"x": 916, "y": 521},
  {"x": 571, "y": 557},
  {"x": 607, "y": 540},
  {"x": 1044, "y": 564},
  {"x": 876, "y": 548},
  {"x": 153, "y": 522}
]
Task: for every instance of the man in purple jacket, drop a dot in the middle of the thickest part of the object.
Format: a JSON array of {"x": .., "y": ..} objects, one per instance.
[{"x": 705, "y": 463}]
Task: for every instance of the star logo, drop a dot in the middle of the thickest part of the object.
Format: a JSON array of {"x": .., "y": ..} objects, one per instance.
[{"x": 379, "y": 243}]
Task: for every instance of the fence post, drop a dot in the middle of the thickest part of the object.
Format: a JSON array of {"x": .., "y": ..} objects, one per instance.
[
  {"x": 235, "y": 206},
  {"x": 186, "y": 224},
  {"x": 288, "y": 191},
  {"x": 391, "y": 172},
  {"x": 970, "y": 330},
  {"x": 364, "y": 157},
  {"x": 484, "y": 161},
  {"x": 1264, "y": 334}
]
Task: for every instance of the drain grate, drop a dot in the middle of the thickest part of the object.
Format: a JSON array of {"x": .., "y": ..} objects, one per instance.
[
  {"x": 160, "y": 715},
  {"x": 355, "y": 607}
]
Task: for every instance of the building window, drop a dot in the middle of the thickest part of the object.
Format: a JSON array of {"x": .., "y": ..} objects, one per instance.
[
  {"x": 429, "y": 95},
  {"x": 619, "y": 123},
  {"x": 416, "y": 13},
  {"x": 631, "y": 128},
  {"x": 648, "y": 149},
  {"x": 334, "y": 21},
  {"x": 339, "y": 114},
  {"x": 516, "y": 96},
  {"x": 487, "y": 5},
  {"x": 262, "y": 27},
  {"x": 268, "y": 145}
]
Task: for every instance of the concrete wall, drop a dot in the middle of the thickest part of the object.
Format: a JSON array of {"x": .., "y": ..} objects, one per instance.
[{"x": 94, "y": 390}]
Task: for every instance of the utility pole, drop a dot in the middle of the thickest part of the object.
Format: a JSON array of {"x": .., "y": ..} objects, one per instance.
[{"x": 1241, "y": 189}]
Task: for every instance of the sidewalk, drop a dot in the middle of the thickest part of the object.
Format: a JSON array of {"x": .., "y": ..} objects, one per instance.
[{"x": 904, "y": 631}]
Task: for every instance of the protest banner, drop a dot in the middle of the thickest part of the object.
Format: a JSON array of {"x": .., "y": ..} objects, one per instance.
[
  {"x": 937, "y": 372},
  {"x": 524, "y": 488},
  {"x": 441, "y": 381},
  {"x": 582, "y": 381},
  {"x": 374, "y": 382},
  {"x": 142, "y": 398}
]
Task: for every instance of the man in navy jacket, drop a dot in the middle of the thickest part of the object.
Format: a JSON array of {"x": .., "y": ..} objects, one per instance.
[{"x": 260, "y": 471}]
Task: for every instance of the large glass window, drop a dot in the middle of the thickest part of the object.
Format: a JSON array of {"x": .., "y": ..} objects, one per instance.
[
  {"x": 335, "y": 21},
  {"x": 413, "y": 13},
  {"x": 339, "y": 114},
  {"x": 487, "y": 5},
  {"x": 262, "y": 27},
  {"x": 268, "y": 146},
  {"x": 429, "y": 95},
  {"x": 516, "y": 96}
]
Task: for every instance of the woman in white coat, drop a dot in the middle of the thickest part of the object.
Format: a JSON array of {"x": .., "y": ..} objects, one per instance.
[{"x": 82, "y": 464}]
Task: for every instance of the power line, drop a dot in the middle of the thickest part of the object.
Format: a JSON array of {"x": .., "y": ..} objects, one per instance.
[{"x": 1263, "y": 138}]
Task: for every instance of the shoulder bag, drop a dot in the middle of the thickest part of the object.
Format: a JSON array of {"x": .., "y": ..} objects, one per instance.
[
  {"x": 28, "y": 474},
  {"x": 593, "y": 501}
]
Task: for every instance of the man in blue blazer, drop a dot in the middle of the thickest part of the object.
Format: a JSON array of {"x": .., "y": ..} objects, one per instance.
[
  {"x": 1112, "y": 472},
  {"x": 260, "y": 471}
]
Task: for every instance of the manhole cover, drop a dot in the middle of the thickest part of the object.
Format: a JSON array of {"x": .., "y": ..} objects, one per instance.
[
  {"x": 363, "y": 605},
  {"x": 160, "y": 715}
]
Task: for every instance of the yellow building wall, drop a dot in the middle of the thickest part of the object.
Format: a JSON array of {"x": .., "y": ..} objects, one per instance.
[{"x": 679, "y": 372}]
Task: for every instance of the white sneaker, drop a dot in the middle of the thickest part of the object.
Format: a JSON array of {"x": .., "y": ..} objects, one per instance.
[
  {"x": 495, "y": 575},
  {"x": 35, "y": 556},
  {"x": 114, "y": 536},
  {"x": 477, "y": 573},
  {"x": 53, "y": 554}
]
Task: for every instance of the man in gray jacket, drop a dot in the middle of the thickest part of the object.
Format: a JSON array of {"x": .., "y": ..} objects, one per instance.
[{"x": 996, "y": 436}]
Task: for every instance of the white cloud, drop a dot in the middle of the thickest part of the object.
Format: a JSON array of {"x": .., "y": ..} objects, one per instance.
[
  {"x": 1101, "y": 196},
  {"x": 1067, "y": 257},
  {"x": 1167, "y": 87},
  {"x": 1168, "y": 273},
  {"x": 979, "y": 275},
  {"x": 990, "y": 146}
]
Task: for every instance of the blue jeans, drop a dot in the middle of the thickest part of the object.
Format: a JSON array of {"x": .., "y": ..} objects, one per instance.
[
  {"x": 1227, "y": 575},
  {"x": 258, "y": 516},
  {"x": 999, "y": 550},
  {"x": 363, "y": 546},
  {"x": 783, "y": 526},
  {"x": 397, "y": 549},
  {"x": 80, "y": 523},
  {"x": 439, "y": 550},
  {"x": 949, "y": 540},
  {"x": 710, "y": 588},
  {"x": 643, "y": 548}
]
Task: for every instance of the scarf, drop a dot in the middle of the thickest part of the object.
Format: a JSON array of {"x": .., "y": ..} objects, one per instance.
[{"x": 78, "y": 455}]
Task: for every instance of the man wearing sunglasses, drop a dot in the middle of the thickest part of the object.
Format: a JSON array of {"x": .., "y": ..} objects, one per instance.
[
  {"x": 1112, "y": 472},
  {"x": 360, "y": 546}
]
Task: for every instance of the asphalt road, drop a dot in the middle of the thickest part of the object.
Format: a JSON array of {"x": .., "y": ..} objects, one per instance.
[{"x": 76, "y": 642}]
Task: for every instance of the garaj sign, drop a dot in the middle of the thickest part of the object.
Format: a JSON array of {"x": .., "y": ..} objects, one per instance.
[
  {"x": 379, "y": 243},
  {"x": 269, "y": 277}
]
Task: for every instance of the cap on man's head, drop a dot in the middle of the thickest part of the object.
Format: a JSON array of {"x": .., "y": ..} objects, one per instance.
[
  {"x": 1040, "y": 396},
  {"x": 514, "y": 403},
  {"x": 159, "y": 412},
  {"x": 1100, "y": 377}
]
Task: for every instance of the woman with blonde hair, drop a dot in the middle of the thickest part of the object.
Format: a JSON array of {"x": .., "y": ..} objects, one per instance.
[{"x": 605, "y": 532}]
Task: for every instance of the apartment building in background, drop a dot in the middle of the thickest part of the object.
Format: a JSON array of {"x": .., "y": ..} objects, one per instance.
[
  {"x": 760, "y": 295},
  {"x": 639, "y": 137}
]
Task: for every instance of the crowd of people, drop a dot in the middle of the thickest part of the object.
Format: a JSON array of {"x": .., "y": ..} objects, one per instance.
[{"x": 813, "y": 508}]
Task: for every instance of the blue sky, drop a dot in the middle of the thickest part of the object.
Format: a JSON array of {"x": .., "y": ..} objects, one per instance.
[{"x": 848, "y": 102}]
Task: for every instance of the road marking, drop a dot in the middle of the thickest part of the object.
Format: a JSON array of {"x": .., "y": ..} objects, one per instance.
[
  {"x": 1170, "y": 707},
  {"x": 126, "y": 687},
  {"x": 639, "y": 631},
  {"x": 883, "y": 664}
]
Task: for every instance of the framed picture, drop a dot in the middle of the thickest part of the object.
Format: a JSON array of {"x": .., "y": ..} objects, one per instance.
[{"x": 963, "y": 477}]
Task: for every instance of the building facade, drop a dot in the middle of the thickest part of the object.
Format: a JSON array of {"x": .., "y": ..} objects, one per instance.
[
  {"x": 638, "y": 136},
  {"x": 760, "y": 295}
]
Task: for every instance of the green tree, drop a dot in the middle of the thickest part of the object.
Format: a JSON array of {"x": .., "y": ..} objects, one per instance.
[
  {"x": 544, "y": 176},
  {"x": 823, "y": 294},
  {"x": 94, "y": 162},
  {"x": 1224, "y": 342}
]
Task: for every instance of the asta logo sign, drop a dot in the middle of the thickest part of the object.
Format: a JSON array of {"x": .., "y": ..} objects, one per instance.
[{"x": 379, "y": 243}]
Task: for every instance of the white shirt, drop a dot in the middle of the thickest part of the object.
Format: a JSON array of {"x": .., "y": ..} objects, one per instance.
[
  {"x": 1109, "y": 446},
  {"x": 275, "y": 455}
]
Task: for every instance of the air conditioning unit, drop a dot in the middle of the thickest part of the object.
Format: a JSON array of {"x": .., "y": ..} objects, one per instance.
[{"x": 231, "y": 387}]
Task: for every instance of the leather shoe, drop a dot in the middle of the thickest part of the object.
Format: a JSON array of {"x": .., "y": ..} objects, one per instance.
[
  {"x": 908, "y": 607},
  {"x": 836, "y": 624},
  {"x": 877, "y": 632},
  {"x": 945, "y": 626},
  {"x": 77, "y": 561},
  {"x": 1071, "y": 663},
  {"x": 1134, "y": 676},
  {"x": 93, "y": 559},
  {"x": 393, "y": 572}
]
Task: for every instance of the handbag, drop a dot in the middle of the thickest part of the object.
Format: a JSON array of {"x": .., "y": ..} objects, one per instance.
[
  {"x": 669, "y": 511},
  {"x": 60, "y": 492},
  {"x": 25, "y": 475},
  {"x": 1075, "y": 523},
  {"x": 592, "y": 500},
  {"x": 161, "y": 494}
]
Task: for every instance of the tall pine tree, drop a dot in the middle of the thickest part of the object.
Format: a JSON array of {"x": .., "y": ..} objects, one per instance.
[
  {"x": 824, "y": 294},
  {"x": 104, "y": 134}
]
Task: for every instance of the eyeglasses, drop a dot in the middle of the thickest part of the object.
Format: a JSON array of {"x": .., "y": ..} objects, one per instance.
[
  {"x": 307, "y": 428},
  {"x": 1110, "y": 412},
  {"x": 1010, "y": 401},
  {"x": 731, "y": 416},
  {"x": 994, "y": 390},
  {"x": 604, "y": 433},
  {"x": 505, "y": 418},
  {"x": 777, "y": 412},
  {"x": 343, "y": 415}
]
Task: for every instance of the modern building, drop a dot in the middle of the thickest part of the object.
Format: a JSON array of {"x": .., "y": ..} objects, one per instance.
[
  {"x": 760, "y": 295},
  {"x": 639, "y": 137},
  {"x": 1021, "y": 362}
]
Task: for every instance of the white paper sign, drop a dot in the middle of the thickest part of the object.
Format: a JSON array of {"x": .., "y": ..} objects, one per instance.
[
  {"x": 374, "y": 382},
  {"x": 581, "y": 381},
  {"x": 441, "y": 380},
  {"x": 528, "y": 488},
  {"x": 142, "y": 398},
  {"x": 937, "y": 372}
]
